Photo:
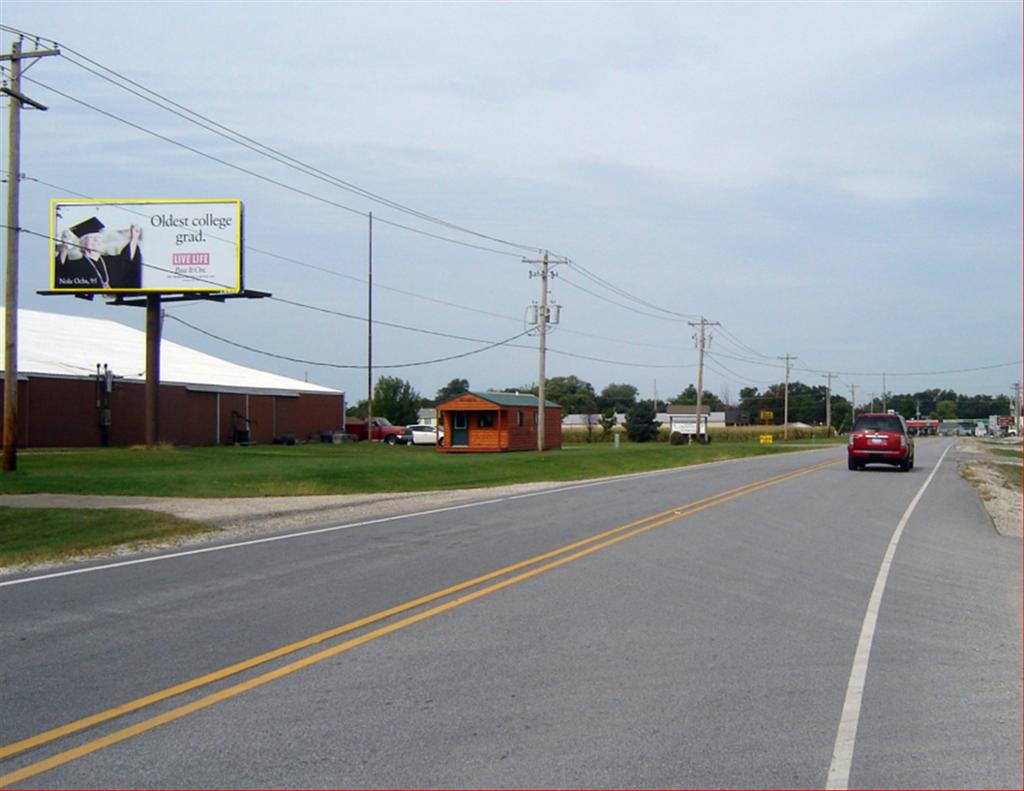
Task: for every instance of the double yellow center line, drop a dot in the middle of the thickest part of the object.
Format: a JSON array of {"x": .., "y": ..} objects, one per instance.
[{"x": 454, "y": 596}]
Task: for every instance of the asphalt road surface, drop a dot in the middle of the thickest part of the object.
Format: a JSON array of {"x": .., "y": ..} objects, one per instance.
[{"x": 769, "y": 622}]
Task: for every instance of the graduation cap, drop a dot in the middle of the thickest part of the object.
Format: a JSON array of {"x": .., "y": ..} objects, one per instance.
[{"x": 92, "y": 225}]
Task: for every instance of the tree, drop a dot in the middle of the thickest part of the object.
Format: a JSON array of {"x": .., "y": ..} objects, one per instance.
[
  {"x": 945, "y": 410},
  {"x": 607, "y": 423},
  {"x": 708, "y": 399},
  {"x": 905, "y": 405},
  {"x": 841, "y": 413},
  {"x": 575, "y": 396},
  {"x": 617, "y": 397},
  {"x": 455, "y": 387},
  {"x": 396, "y": 400},
  {"x": 521, "y": 389},
  {"x": 641, "y": 425}
]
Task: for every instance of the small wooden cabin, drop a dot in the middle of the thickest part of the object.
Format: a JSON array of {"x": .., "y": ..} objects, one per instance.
[{"x": 492, "y": 422}]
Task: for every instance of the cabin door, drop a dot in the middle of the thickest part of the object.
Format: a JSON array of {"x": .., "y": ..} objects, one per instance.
[{"x": 460, "y": 430}]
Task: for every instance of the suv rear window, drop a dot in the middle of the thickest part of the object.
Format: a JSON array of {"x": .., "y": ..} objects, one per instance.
[{"x": 878, "y": 423}]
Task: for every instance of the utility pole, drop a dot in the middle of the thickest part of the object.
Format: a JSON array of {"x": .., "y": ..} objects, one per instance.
[
  {"x": 883, "y": 393},
  {"x": 543, "y": 317},
  {"x": 1016, "y": 406},
  {"x": 700, "y": 368},
  {"x": 17, "y": 101},
  {"x": 853, "y": 404},
  {"x": 828, "y": 403},
  {"x": 785, "y": 403},
  {"x": 369, "y": 333}
]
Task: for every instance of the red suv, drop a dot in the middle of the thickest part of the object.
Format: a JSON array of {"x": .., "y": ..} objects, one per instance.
[{"x": 880, "y": 439}]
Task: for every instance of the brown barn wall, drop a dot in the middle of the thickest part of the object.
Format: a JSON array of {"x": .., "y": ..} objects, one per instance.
[{"x": 54, "y": 412}]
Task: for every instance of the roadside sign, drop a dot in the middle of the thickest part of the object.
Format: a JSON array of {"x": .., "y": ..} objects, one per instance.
[{"x": 766, "y": 439}]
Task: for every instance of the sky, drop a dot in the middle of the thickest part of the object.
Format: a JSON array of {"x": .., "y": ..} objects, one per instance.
[{"x": 838, "y": 182}]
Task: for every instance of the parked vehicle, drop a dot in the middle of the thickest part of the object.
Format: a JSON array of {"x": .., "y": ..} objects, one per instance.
[
  {"x": 383, "y": 431},
  {"x": 422, "y": 434},
  {"x": 880, "y": 439}
]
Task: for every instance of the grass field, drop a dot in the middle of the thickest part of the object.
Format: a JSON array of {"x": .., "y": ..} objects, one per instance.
[
  {"x": 35, "y": 535},
  {"x": 31, "y": 535},
  {"x": 273, "y": 470}
]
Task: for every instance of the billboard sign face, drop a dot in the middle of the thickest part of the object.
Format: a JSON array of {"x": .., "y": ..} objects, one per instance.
[{"x": 155, "y": 246}]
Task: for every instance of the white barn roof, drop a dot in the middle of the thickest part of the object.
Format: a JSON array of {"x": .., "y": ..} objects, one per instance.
[{"x": 54, "y": 344}]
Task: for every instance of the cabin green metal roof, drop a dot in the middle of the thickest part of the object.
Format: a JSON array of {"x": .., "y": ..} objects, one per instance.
[{"x": 513, "y": 399}]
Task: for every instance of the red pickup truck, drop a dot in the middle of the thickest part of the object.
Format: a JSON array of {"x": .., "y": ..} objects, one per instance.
[{"x": 383, "y": 431}]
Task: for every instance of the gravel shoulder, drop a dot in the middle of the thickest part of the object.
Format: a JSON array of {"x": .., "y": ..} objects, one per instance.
[
  {"x": 239, "y": 519},
  {"x": 982, "y": 469}
]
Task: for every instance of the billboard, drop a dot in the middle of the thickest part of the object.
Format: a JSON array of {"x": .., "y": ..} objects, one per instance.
[{"x": 156, "y": 246}]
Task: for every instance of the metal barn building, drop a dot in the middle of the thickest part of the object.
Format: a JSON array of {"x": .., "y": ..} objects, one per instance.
[{"x": 64, "y": 399}]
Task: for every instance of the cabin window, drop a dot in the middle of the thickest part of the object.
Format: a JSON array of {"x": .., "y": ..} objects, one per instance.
[
  {"x": 519, "y": 417},
  {"x": 460, "y": 420},
  {"x": 485, "y": 420}
]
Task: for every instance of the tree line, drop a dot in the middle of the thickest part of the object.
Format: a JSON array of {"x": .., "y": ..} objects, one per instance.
[{"x": 397, "y": 400}]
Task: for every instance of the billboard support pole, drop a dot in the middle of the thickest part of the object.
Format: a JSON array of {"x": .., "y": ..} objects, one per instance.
[
  {"x": 152, "y": 370},
  {"x": 17, "y": 99}
]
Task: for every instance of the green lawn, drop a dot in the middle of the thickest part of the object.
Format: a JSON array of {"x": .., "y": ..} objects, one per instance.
[{"x": 268, "y": 470}]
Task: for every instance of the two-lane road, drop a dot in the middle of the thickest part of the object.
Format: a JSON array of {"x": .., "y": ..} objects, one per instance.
[{"x": 778, "y": 621}]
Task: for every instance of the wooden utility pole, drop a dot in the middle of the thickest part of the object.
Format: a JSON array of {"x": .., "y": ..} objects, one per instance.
[
  {"x": 853, "y": 405},
  {"x": 700, "y": 371},
  {"x": 17, "y": 101},
  {"x": 785, "y": 402},
  {"x": 545, "y": 274},
  {"x": 369, "y": 335},
  {"x": 828, "y": 403},
  {"x": 1016, "y": 406}
]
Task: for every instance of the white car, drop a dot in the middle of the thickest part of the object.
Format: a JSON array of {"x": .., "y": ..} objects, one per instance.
[{"x": 422, "y": 435}]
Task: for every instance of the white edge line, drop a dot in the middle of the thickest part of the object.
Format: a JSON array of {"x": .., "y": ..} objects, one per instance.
[
  {"x": 382, "y": 520},
  {"x": 846, "y": 735}
]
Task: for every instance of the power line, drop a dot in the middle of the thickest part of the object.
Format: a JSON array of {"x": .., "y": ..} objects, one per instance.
[
  {"x": 267, "y": 179},
  {"x": 630, "y": 308},
  {"x": 339, "y": 365},
  {"x": 627, "y": 295},
  {"x": 416, "y": 295},
  {"x": 198, "y": 119},
  {"x": 736, "y": 341}
]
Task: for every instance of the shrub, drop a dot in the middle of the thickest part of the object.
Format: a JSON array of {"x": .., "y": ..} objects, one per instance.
[{"x": 641, "y": 425}]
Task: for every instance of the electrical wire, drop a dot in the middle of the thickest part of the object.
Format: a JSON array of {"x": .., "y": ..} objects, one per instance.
[
  {"x": 305, "y": 264},
  {"x": 198, "y": 119},
  {"x": 267, "y": 179},
  {"x": 625, "y": 294},
  {"x": 357, "y": 366},
  {"x": 633, "y": 310}
]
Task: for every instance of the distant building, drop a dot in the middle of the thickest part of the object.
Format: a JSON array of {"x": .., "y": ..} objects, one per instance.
[
  {"x": 65, "y": 400},
  {"x": 715, "y": 419}
]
